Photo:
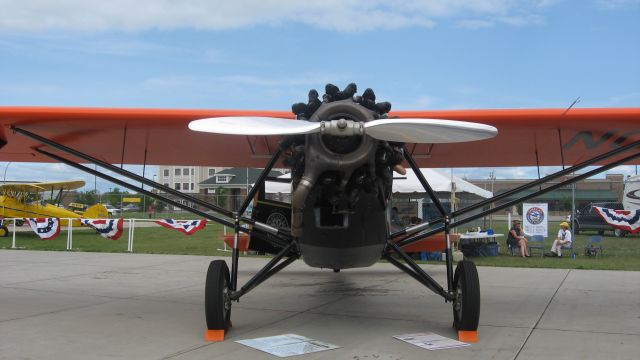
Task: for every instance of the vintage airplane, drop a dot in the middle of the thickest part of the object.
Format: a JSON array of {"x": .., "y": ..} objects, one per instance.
[
  {"x": 342, "y": 150},
  {"x": 25, "y": 200}
]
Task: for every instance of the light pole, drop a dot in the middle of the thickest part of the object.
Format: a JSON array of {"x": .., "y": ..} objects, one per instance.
[{"x": 492, "y": 177}]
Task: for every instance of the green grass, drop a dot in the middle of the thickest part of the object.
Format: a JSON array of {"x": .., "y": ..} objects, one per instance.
[{"x": 620, "y": 253}]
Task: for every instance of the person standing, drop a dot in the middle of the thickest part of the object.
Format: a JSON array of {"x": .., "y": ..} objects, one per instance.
[{"x": 564, "y": 238}]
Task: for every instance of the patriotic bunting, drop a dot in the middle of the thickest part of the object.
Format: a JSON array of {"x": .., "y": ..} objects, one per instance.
[
  {"x": 108, "y": 228},
  {"x": 46, "y": 228},
  {"x": 187, "y": 227},
  {"x": 621, "y": 219}
]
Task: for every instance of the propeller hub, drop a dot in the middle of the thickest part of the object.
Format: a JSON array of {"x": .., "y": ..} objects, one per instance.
[{"x": 341, "y": 127}]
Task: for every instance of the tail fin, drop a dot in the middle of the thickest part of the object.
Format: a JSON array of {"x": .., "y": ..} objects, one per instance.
[{"x": 97, "y": 211}]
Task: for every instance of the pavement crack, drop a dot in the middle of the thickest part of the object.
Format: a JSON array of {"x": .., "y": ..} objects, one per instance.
[{"x": 535, "y": 326}]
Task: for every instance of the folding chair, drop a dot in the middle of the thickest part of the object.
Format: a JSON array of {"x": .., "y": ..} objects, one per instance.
[
  {"x": 513, "y": 249},
  {"x": 536, "y": 242},
  {"x": 594, "y": 246},
  {"x": 570, "y": 248}
]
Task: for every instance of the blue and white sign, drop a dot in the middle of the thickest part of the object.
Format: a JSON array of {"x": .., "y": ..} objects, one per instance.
[{"x": 535, "y": 218}]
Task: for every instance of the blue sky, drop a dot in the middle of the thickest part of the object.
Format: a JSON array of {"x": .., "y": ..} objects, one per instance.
[{"x": 437, "y": 54}]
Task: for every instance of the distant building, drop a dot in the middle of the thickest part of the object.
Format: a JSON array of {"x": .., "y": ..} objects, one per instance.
[
  {"x": 185, "y": 178},
  {"x": 586, "y": 191},
  {"x": 204, "y": 183},
  {"x": 237, "y": 181}
]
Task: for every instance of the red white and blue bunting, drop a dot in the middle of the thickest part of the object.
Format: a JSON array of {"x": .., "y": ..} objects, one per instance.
[
  {"x": 187, "y": 227},
  {"x": 46, "y": 228},
  {"x": 108, "y": 228},
  {"x": 621, "y": 219}
]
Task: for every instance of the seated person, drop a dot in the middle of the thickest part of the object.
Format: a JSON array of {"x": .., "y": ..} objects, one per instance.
[
  {"x": 564, "y": 238},
  {"x": 516, "y": 238}
]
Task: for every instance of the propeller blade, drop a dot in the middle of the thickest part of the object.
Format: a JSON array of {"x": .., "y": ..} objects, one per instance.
[
  {"x": 429, "y": 131},
  {"x": 250, "y": 125}
]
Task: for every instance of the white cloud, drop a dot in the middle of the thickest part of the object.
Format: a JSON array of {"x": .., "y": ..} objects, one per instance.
[
  {"x": 617, "y": 4},
  {"x": 338, "y": 15},
  {"x": 475, "y": 24}
]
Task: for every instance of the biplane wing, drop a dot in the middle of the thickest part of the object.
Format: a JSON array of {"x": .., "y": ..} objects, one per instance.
[
  {"x": 61, "y": 185},
  {"x": 526, "y": 137},
  {"x": 43, "y": 186},
  {"x": 21, "y": 188}
]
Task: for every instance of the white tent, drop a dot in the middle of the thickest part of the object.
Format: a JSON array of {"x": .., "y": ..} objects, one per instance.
[{"x": 439, "y": 183}]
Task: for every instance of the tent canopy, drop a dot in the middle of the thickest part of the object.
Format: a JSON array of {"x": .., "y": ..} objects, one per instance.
[{"x": 439, "y": 182}]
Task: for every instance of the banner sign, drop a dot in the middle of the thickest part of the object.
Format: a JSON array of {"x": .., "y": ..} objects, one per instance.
[
  {"x": 535, "y": 218},
  {"x": 107, "y": 228},
  {"x": 187, "y": 227},
  {"x": 621, "y": 219},
  {"x": 46, "y": 228}
]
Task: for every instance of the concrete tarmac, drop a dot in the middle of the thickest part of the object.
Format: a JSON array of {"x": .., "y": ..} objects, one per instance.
[{"x": 67, "y": 305}]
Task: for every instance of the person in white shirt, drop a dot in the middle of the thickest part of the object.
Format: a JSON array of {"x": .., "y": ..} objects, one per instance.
[{"x": 564, "y": 238}]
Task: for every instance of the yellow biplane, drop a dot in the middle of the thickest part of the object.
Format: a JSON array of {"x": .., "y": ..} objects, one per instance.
[{"x": 26, "y": 200}]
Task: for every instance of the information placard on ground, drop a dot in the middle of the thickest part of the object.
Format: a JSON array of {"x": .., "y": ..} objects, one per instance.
[
  {"x": 430, "y": 341},
  {"x": 287, "y": 345}
]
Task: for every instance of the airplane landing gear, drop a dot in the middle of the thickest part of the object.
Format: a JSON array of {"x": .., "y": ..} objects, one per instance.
[
  {"x": 217, "y": 299},
  {"x": 466, "y": 305}
]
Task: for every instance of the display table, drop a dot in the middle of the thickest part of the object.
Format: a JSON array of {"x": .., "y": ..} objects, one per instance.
[{"x": 479, "y": 244}]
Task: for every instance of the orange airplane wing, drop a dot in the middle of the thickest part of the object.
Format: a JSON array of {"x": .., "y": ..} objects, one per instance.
[{"x": 526, "y": 137}]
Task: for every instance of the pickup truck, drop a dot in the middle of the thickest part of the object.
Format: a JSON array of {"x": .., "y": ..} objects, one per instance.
[{"x": 587, "y": 219}]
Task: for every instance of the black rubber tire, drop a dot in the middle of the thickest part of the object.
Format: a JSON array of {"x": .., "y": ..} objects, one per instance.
[
  {"x": 336, "y": 270},
  {"x": 466, "y": 306},
  {"x": 4, "y": 231},
  {"x": 600, "y": 232},
  {"x": 619, "y": 233},
  {"x": 19, "y": 222},
  {"x": 217, "y": 304},
  {"x": 576, "y": 228}
]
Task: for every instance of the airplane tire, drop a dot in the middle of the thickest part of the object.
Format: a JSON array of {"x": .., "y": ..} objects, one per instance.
[
  {"x": 466, "y": 306},
  {"x": 4, "y": 232},
  {"x": 217, "y": 303}
]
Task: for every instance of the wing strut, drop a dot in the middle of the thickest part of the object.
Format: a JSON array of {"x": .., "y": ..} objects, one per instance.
[
  {"x": 465, "y": 294},
  {"x": 282, "y": 236},
  {"x": 411, "y": 239},
  {"x": 423, "y": 181}
]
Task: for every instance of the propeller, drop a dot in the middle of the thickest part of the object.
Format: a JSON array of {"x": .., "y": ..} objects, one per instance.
[
  {"x": 253, "y": 125},
  {"x": 431, "y": 131},
  {"x": 401, "y": 130}
]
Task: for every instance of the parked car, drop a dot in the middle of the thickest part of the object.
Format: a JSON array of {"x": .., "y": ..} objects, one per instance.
[
  {"x": 587, "y": 219},
  {"x": 113, "y": 211},
  {"x": 130, "y": 207}
]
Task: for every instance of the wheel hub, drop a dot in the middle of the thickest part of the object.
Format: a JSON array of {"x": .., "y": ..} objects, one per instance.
[
  {"x": 226, "y": 300},
  {"x": 457, "y": 302}
]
